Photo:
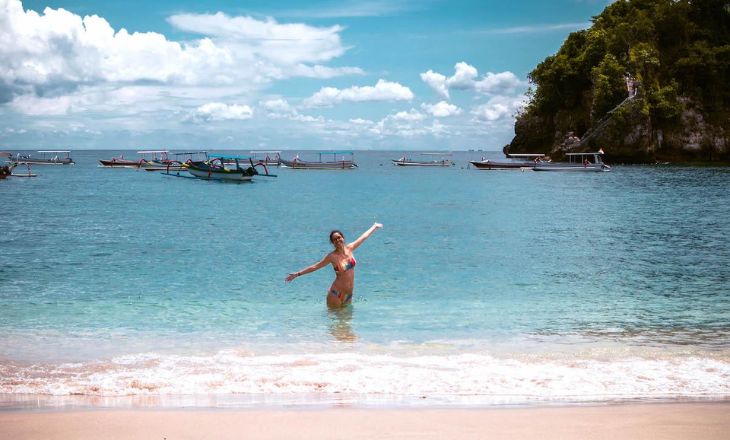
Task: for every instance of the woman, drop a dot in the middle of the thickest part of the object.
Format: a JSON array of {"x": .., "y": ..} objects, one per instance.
[{"x": 343, "y": 262}]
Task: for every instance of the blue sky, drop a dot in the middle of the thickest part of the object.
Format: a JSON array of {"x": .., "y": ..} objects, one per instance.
[{"x": 384, "y": 75}]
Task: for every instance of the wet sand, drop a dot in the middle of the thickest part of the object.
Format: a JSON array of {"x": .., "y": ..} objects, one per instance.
[{"x": 630, "y": 421}]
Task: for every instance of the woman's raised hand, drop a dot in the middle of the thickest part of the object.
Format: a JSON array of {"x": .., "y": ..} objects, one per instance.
[{"x": 377, "y": 225}]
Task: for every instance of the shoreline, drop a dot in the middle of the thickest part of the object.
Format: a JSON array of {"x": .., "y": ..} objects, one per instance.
[
  {"x": 318, "y": 402},
  {"x": 635, "y": 421}
]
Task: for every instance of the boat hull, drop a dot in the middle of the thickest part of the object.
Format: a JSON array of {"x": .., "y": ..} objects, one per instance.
[
  {"x": 31, "y": 161},
  {"x": 490, "y": 165},
  {"x": 302, "y": 165},
  {"x": 120, "y": 163},
  {"x": 573, "y": 168},
  {"x": 439, "y": 163},
  {"x": 205, "y": 172}
]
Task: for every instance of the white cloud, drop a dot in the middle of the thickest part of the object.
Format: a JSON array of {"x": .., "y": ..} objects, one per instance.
[
  {"x": 382, "y": 91},
  {"x": 497, "y": 82},
  {"x": 408, "y": 124},
  {"x": 498, "y": 108},
  {"x": 277, "y": 107},
  {"x": 441, "y": 109},
  {"x": 55, "y": 52},
  {"x": 465, "y": 77},
  {"x": 411, "y": 115},
  {"x": 437, "y": 82},
  {"x": 360, "y": 121},
  {"x": 218, "y": 111}
]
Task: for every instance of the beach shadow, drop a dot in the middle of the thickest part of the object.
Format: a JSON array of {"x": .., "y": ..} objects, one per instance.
[{"x": 340, "y": 324}]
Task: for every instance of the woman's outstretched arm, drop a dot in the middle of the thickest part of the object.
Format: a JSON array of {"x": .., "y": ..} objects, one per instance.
[
  {"x": 355, "y": 244},
  {"x": 309, "y": 269}
]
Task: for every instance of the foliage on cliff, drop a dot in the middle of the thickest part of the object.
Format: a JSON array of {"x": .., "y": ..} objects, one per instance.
[{"x": 675, "y": 52}]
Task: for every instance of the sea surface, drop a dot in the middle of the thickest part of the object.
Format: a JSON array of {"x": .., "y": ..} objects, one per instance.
[{"x": 122, "y": 287}]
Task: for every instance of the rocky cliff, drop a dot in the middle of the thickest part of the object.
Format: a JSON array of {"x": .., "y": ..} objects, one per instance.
[{"x": 647, "y": 82}]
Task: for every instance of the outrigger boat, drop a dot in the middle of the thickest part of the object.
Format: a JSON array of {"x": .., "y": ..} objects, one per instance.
[
  {"x": 519, "y": 161},
  {"x": 407, "y": 162},
  {"x": 226, "y": 168},
  {"x": 346, "y": 162},
  {"x": 179, "y": 161},
  {"x": 269, "y": 158},
  {"x": 29, "y": 172},
  {"x": 576, "y": 162},
  {"x": 121, "y": 162},
  {"x": 48, "y": 157},
  {"x": 151, "y": 160}
]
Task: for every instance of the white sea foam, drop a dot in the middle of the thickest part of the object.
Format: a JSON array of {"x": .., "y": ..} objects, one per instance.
[{"x": 467, "y": 378}]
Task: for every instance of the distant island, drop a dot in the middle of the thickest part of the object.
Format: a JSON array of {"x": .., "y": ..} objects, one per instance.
[{"x": 647, "y": 82}]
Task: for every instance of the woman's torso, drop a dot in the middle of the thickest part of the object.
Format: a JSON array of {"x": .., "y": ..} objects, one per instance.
[{"x": 344, "y": 267}]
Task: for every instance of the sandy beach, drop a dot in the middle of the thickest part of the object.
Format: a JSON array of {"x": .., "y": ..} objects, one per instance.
[{"x": 631, "y": 421}]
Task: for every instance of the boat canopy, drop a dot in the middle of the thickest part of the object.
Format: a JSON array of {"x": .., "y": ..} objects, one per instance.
[
  {"x": 191, "y": 152},
  {"x": 531, "y": 155},
  {"x": 584, "y": 154},
  {"x": 229, "y": 157},
  {"x": 54, "y": 151}
]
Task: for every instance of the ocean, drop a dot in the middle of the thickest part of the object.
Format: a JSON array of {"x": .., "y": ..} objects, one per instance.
[{"x": 123, "y": 288}]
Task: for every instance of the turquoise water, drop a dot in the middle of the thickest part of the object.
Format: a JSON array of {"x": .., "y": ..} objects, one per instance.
[{"x": 483, "y": 287}]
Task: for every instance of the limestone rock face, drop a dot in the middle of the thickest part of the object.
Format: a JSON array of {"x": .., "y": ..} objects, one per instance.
[{"x": 628, "y": 135}]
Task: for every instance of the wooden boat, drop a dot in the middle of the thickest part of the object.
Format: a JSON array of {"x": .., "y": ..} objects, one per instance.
[
  {"x": 345, "y": 163},
  {"x": 13, "y": 173},
  {"x": 442, "y": 162},
  {"x": 48, "y": 157},
  {"x": 270, "y": 158},
  {"x": 516, "y": 162},
  {"x": 121, "y": 162},
  {"x": 150, "y": 160},
  {"x": 226, "y": 168},
  {"x": 177, "y": 163},
  {"x": 580, "y": 162}
]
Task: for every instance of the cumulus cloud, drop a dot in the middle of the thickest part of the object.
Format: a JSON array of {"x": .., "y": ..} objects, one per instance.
[
  {"x": 382, "y": 91},
  {"x": 436, "y": 81},
  {"x": 55, "y": 52},
  {"x": 411, "y": 115},
  {"x": 466, "y": 76},
  {"x": 497, "y": 82},
  {"x": 441, "y": 109},
  {"x": 498, "y": 108},
  {"x": 408, "y": 124},
  {"x": 277, "y": 107},
  {"x": 218, "y": 111}
]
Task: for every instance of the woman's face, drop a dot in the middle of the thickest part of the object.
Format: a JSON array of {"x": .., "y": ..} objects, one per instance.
[{"x": 337, "y": 239}]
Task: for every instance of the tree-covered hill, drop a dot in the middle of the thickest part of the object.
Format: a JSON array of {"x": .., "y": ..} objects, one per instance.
[{"x": 648, "y": 81}]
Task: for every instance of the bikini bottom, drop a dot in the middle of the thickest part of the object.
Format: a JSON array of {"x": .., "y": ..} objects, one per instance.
[{"x": 344, "y": 299}]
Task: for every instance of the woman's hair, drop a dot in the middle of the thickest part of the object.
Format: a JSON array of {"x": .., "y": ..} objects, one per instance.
[{"x": 336, "y": 231}]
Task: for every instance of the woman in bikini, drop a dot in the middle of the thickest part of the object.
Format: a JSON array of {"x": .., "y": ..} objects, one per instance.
[{"x": 343, "y": 262}]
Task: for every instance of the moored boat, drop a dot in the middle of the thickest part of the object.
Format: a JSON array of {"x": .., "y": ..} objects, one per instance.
[
  {"x": 346, "y": 162},
  {"x": 516, "y": 162},
  {"x": 48, "y": 157},
  {"x": 226, "y": 168},
  {"x": 270, "y": 158},
  {"x": 577, "y": 162},
  {"x": 405, "y": 161},
  {"x": 121, "y": 162}
]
